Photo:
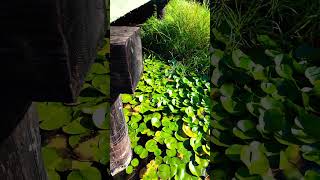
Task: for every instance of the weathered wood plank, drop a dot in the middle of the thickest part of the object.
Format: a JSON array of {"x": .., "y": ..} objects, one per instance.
[
  {"x": 47, "y": 47},
  {"x": 120, "y": 148},
  {"x": 20, "y": 153},
  {"x": 126, "y": 63}
]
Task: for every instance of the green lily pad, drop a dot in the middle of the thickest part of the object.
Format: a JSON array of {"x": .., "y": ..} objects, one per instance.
[
  {"x": 89, "y": 150},
  {"x": 170, "y": 142},
  {"x": 179, "y": 137},
  {"x": 135, "y": 162},
  {"x": 53, "y": 175},
  {"x": 126, "y": 98},
  {"x": 151, "y": 145},
  {"x": 51, "y": 158},
  {"x": 80, "y": 164},
  {"x": 129, "y": 169},
  {"x": 53, "y": 115},
  {"x": 144, "y": 153},
  {"x": 75, "y": 127},
  {"x": 187, "y": 130},
  {"x": 90, "y": 173},
  {"x": 171, "y": 152},
  {"x": 155, "y": 122},
  {"x": 164, "y": 171}
]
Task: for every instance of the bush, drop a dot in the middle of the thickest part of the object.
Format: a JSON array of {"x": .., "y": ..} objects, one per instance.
[
  {"x": 182, "y": 35},
  {"x": 266, "y": 106}
]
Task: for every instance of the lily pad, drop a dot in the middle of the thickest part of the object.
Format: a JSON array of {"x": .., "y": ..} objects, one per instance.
[
  {"x": 75, "y": 127},
  {"x": 164, "y": 171},
  {"x": 53, "y": 115},
  {"x": 187, "y": 130},
  {"x": 90, "y": 173},
  {"x": 151, "y": 145}
]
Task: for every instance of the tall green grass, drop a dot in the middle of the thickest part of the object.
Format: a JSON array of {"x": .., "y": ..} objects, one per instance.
[
  {"x": 183, "y": 35},
  {"x": 288, "y": 21}
]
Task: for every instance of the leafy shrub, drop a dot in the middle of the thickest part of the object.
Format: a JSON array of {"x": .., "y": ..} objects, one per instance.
[
  {"x": 183, "y": 34},
  {"x": 266, "y": 113},
  {"x": 168, "y": 121}
]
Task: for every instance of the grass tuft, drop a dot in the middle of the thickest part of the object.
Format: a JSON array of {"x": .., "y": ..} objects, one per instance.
[{"x": 183, "y": 35}]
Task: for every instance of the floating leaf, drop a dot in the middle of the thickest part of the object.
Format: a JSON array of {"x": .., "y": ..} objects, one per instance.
[
  {"x": 187, "y": 130},
  {"x": 170, "y": 142},
  {"x": 151, "y": 145},
  {"x": 50, "y": 157},
  {"x": 53, "y": 175},
  {"x": 53, "y": 115},
  {"x": 164, "y": 171},
  {"x": 155, "y": 122},
  {"x": 90, "y": 173},
  {"x": 75, "y": 127},
  {"x": 129, "y": 169}
]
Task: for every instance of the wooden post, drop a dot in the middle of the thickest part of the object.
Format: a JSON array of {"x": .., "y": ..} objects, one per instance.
[
  {"x": 126, "y": 69},
  {"x": 20, "y": 153},
  {"x": 120, "y": 148},
  {"x": 126, "y": 59},
  {"x": 48, "y": 46}
]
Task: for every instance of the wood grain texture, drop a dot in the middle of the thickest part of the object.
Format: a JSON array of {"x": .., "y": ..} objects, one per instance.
[
  {"x": 48, "y": 46},
  {"x": 126, "y": 63},
  {"x": 120, "y": 148},
  {"x": 20, "y": 153}
]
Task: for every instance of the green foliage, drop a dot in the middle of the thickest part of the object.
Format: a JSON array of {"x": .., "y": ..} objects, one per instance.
[
  {"x": 265, "y": 112},
  {"x": 168, "y": 120},
  {"x": 182, "y": 35},
  {"x": 238, "y": 24},
  {"x": 78, "y": 135}
]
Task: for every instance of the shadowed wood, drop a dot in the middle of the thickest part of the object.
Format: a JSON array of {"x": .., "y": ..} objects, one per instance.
[
  {"x": 48, "y": 46},
  {"x": 120, "y": 147},
  {"x": 125, "y": 59},
  {"x": 20, "y": 153}
]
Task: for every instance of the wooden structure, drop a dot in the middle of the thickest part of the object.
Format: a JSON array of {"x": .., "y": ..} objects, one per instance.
[
  {"x": 126, "y": 69},
  {"x": 50, "y": 45},
  {"x": 46, "y": 50},
  {"x": 126, "y": 59}
]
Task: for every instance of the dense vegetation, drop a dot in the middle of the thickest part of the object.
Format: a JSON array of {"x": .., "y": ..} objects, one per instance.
[
  {"x": 169, "y": 114},
  {"x": 183, "y": 35},
  {"x": 168, "y": 119},
  {"x": 76, "y": 138},
  {"x": 265, "y": 90},
  {"x": 289, "y": 21}
]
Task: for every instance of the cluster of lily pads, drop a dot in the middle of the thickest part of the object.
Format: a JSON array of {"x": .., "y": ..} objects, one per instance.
[
  {"x": 75, "y": 137},
  {"x": 266, "y": 112},
  {"x": 168, "y": 119}
]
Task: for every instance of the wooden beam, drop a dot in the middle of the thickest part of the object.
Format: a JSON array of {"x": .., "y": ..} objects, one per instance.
[
  {"x": 126, "y": 59},
  {"x": 20, "y": 153},
  {"x": 120, "y": 149},
  {"x": 47, "y": 47}
]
